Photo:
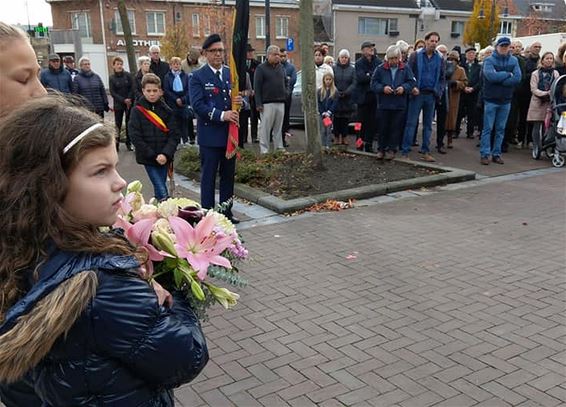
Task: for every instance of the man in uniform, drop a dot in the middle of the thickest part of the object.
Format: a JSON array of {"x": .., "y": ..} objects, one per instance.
[{"x": 209, "y": 92}]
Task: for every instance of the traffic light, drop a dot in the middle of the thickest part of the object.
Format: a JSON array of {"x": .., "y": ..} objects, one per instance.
[{"x": 40, "y": 30}]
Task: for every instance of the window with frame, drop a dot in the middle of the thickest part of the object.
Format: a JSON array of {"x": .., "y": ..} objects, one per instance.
[
  {"x": 282, "y": 27},
  {"x": 196, "y": 25},
  {"x": 207, "y": 25},
  {"x": 80, "y": 20},
  {"x": 377, "y": 26},
  {"x": 155, "y": 22},
  {"x": 260, "y": 26},
  {"x": 457, "y": 28},
  {"x": 506, "y": 27},
  {"x": 131, "y": 19}
]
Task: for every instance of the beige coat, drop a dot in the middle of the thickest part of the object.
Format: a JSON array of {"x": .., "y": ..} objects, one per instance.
[
  {"x": 538, "y": 106},
  {"x": 461, "y": 79}
]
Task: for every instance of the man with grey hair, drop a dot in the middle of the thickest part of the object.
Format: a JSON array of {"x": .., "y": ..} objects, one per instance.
[
  {"x": 270, "y": 86},
  {"x": 157, "y": 66}
]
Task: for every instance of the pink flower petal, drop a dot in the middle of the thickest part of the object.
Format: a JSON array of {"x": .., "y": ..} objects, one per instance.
[
  {"x": 183, "y": 231},
  {"x": 140, "y": 232},
  {"x": 221, "y": 261},
  {"x": 205, "y": 226},
  {"x": 122, "y": 223}
]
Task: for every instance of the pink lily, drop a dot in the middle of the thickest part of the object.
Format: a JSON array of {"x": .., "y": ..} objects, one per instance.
[
  {"x": 199, "y": 245},
  {"x": 138, "y": 234}
]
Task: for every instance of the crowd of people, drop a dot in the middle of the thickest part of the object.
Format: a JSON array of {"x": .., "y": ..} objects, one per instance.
[{"x": 502, "y": 92}]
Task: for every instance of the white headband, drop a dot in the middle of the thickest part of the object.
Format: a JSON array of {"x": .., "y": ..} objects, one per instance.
[{"x": 81, "y": 136}]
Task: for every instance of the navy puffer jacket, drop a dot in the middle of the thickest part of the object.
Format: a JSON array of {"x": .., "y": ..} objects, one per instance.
[
  {"x": 90, "y": 86},
  {"x": 120, "y": 348}
]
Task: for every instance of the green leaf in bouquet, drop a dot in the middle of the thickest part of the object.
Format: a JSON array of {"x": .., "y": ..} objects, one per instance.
[
  {"x": 187, "y": 272},
  {"x": 224, "y": 274}
]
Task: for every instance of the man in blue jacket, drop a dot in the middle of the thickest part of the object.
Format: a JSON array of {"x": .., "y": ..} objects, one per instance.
[
  {"x": 55, "y": 76},
  {"x": 501, "y": 74},
  {"x": 209, "y": 92},
  {"x": 428, "y": 67}
]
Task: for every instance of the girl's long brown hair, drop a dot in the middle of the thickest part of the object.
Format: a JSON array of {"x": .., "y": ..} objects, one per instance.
[{"x": 33, "y": 184}]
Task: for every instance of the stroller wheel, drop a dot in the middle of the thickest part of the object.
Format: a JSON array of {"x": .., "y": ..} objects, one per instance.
[
  {"x": 549, "y": 152},
  {"x": 536, "y": 151},
  {"x": 558, "y": 160}
]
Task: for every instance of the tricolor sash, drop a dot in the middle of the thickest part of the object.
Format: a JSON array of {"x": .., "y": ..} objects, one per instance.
[{"x": 153, "y": 118}]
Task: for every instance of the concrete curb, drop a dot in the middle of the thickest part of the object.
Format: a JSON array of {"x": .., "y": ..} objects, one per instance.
[{"x": 449, "y": 176}]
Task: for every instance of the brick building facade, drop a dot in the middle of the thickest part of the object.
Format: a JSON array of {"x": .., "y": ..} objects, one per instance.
[{"x": 101, "y": 37}]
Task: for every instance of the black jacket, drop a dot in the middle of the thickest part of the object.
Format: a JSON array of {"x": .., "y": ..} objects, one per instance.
[
  {"x": 147, "y": 138},
  {"x": 120, "y": 347},
  {"x": 473, "y": 73},
  {"x": 364, "y": 73},
  {"x": 160, "y": 69},
  {"x": 345, "y": 81},
  {"x": 90, "y": 86},
  {"x": 121, "y": 87}
]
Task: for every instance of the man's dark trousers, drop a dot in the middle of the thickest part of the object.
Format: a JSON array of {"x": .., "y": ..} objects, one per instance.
[
  {"x": 468, "y": 108},
  {"x": 254, "y": 118},
  {"x": 213, "y": 160},
  {"x": 368, "y": 116}
]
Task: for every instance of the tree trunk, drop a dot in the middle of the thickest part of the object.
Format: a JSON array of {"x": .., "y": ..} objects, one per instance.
[
  {"x": 127, "y": 36},
  {"x": 310, "y": 107}
]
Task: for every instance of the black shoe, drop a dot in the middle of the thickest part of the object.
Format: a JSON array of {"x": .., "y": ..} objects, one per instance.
[
  {"x": 234, "y": 220},
  {"x": 285, "y": 144},
  {"x": 129, "y": 147},
  {"x": 441, "y": 150},
  {"x": 255, "y": 141}
]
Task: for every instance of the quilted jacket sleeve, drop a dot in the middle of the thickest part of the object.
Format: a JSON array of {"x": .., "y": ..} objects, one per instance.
[{"x": 165, "y": 347}]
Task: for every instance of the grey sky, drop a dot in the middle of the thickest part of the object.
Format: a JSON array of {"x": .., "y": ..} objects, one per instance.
[{"x": 15, "y": 11}]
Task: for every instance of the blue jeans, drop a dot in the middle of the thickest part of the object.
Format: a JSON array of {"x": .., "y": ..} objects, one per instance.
[
  {"x": 426, "y": 103},
  {"x": 158, "y": 177},
  {"x": 493, "y": 115}
]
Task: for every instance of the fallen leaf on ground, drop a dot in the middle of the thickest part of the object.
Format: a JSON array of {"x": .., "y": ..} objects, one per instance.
[{"x": 331, "y": 205}]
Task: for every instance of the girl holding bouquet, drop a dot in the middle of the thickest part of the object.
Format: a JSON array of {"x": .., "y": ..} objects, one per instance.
[
  {"x": 326, "y": 97},
  {"x": 78, "y": 325}
]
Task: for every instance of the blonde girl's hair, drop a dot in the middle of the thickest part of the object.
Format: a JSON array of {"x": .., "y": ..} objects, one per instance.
[
  {"x": 323, "y": 91},
  {"x": 9, "y": 33},
  {"x": 175, "y": 59},
  {"x": 34, "y": 182}
]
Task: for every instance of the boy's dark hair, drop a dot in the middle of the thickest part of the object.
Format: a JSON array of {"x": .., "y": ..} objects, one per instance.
[
  {"x": 117, "y": 59},
  {"x": 430, "y": 34},
  {"x": 150, "y": 78}
]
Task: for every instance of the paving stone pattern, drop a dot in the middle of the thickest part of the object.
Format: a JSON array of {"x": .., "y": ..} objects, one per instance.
[{"x": 453, "y": 299}]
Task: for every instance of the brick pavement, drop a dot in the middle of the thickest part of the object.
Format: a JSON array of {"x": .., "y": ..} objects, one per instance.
[{"x": 454, "y": 299}]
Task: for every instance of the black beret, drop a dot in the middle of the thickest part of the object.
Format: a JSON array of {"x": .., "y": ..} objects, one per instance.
[
  {"x": 211, "y": 39},
  {"x": 470, "y": 49}
]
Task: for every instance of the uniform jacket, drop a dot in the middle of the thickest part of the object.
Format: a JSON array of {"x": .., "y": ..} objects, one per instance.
[
  {"x": 383, "y": 77},
  {"x": 364, "y": 72},
  {"x": 540, "y": 100},
  {"x": 121, "y": 87},
  {"x": 209, "y": 98},
  {"x": 501, "y": 74},
  {"x": 90, "y": 332},
  {"x": 90, "y": 86},
  {"x": 147, "y": 138},
  {"x": 345, "y": 81},
  {"x": 60, "y": 79},
  {"x": 171, "y": 96}
]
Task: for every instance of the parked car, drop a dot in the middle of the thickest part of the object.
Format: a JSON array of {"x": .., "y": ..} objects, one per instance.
[{"x": 296, "y": 114}]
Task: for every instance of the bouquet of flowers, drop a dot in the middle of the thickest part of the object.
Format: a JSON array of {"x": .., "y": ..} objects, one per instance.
[{"x": 186, "y": 246}]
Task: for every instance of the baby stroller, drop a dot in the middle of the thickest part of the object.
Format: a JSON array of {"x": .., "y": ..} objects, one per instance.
[{"x": 554, "y": 141}]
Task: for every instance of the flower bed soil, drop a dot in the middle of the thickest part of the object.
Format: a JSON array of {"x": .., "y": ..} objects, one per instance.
[{"x": 290, "y": 176}]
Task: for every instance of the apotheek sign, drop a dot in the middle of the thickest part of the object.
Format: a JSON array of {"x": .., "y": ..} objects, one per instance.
[{"x": 139, "y": 43}]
